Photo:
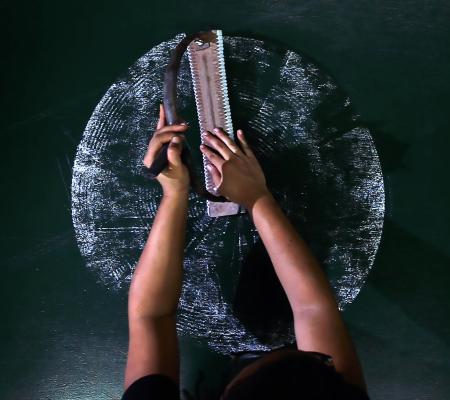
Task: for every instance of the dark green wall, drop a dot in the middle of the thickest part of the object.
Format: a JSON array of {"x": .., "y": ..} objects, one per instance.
[{"x": 63, "y": 336}]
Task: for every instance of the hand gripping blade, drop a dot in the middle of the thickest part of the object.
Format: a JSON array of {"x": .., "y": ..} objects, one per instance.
[{"x": 211, "y": 96}]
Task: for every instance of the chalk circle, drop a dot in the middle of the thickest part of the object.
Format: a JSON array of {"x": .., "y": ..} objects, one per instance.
[{"x": 320, "y": 163}]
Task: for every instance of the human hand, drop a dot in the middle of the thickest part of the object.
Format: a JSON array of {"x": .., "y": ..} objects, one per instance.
[
  {"x": 235, "y": 171},
  {"x": 175, "y": 178}
]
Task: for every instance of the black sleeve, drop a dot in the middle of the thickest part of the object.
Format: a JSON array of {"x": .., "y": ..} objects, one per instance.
[{"x": 152, "y": 387}]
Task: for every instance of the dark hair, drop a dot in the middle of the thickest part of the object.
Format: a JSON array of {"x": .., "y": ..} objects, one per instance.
[{"x": 300, "y": 377}]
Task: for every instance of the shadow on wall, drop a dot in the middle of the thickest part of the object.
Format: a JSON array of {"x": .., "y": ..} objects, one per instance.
[
  {"x": 409, "y": 272},
  {"x": 416, "y": 277},
  {"x": 260, "y": 302}
]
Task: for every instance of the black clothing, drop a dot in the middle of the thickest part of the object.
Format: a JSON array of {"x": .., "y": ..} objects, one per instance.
[
  {"x": 152, "y": 387},
  {"x": 161, "y": 387}
]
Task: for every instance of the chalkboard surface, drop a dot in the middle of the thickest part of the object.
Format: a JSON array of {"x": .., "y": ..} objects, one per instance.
[{"x": 64, "y": 335}]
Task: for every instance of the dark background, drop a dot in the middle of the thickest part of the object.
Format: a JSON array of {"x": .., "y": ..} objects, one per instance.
[{"x": 63, "y": 335}]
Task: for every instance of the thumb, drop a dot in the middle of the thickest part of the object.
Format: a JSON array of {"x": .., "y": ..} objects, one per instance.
[
  {"x": 162, "y": 117},
  {"x": 215, "y": 174},
  {"x": 174, "y": 151}
]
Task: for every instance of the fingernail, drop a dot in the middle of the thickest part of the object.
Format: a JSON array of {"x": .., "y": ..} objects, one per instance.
[
  {"x": 208, "y": 167},
  {"x": 176, "y": 139},
  {"x": 216, "y": 130}
]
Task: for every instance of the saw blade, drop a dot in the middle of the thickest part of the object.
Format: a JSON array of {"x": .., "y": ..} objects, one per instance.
[{"x": 207, "y": 64}]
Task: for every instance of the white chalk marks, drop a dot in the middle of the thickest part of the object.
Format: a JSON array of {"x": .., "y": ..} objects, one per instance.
[{"x": 320, "y": 162}]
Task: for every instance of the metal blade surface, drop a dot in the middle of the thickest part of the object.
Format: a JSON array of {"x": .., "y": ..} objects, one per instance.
[{"x": 211, "y": 97}]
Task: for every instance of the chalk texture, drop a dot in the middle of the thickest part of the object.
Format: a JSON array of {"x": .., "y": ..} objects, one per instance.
[{"x": 319, "y": 159}]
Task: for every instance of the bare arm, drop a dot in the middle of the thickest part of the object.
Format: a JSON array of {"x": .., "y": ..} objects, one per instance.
[
  {"x": 156, "y": 284},
  {"x": 317, "y": 320}
]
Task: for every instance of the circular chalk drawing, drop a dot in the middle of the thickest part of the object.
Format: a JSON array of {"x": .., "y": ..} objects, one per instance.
[{"x": 320, "y": 163}]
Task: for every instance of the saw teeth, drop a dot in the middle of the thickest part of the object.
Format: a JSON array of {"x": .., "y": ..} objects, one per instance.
[
  {"x": 223, "y": 84},
  {"x": 214, "y": 55}
]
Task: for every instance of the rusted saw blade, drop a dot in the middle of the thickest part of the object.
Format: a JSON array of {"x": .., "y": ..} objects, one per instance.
[{"x": 211, "y": 96}]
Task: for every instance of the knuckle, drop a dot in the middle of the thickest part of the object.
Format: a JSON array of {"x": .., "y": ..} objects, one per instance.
[
  {"x": 213, "y": 139},
  {"x": 165, "y": 137},
  {"x": 222, "y": 143},
  {"x": 225, "y": 165}
]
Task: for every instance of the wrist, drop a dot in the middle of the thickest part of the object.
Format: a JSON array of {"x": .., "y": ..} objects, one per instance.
[
  {"x": 263, "y": 197},
  {"x": 263, "y": 207},
  {"x": 178, "y": 195}
]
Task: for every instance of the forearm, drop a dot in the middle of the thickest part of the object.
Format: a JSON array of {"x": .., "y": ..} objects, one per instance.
[
  {"x": 156, "y": 284},
  {"x": 317, "y": 320},
  {"x": 304, "y": 282}
]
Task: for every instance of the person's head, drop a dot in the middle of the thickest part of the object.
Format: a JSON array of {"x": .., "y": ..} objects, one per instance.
[{"x": 291, "y": 374}]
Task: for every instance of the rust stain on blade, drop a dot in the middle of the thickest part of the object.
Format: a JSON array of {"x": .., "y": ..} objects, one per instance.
[{"x": 211, "y": 96}]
